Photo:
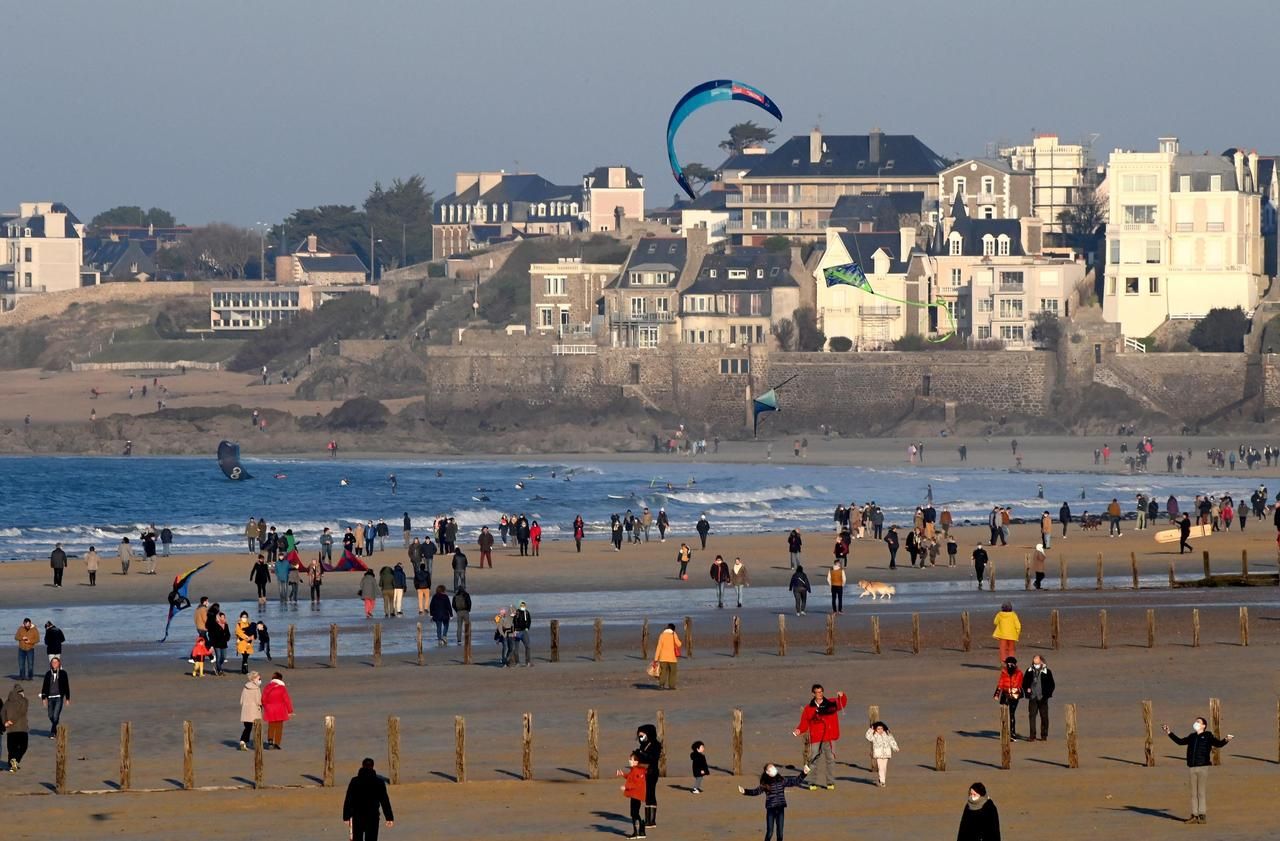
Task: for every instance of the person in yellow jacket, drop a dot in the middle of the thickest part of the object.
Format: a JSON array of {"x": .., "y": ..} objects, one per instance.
[
  {"x": 244, "y": 641},
  {"x": 667, "y": 655},
  {"x": 1008, "y": 630}
]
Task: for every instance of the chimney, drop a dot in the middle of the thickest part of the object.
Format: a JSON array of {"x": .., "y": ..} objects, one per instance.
[
  {"x": 1239, "y": 162},
  {"x": 815, "y": 145},
  {"x": 463, "y": 181},
  {"x": 1253, "y": 169},
  {"x": 312, "y": 244},
  {"x": 874, "y": 140},
  {"x": 906, "y": 242},
  {"x": 695, "y": 251},
  {"x": 1031, "y": 229},
  {"x": 489, "y": 180},
  {"x": 1168, "y": 145}
]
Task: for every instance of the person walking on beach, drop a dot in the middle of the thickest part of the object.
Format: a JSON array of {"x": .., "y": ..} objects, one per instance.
[
  {"x": 1113, "y": 517},
  {"x": 166, "y": 540},
  {"x": 219, "y": 639},
  {"x": 663, "y": 524},
  {"x": 54, "y": 693},
  {"x": 53, "y": 640},
  {"x": 459, "y": 569},
  {"x": 422, "y": 585},
  {"x": 980, "y": 559},
  {"x": 1200, "y": 743},
  {"x": 366, "y": 795},
  {"x": 720, "y": 575},
  {"x": 1008, "y": 629},
  {"x": 260, "y": 574},
  {"x": 1037, "y": 687},
  {"x": 794, "y": 544},
  {"x": 739, "y": 578},
  {"x": 126, "y": 555},
  {"x": 250, "y": 707},
  {"x": 1046, "y": 529},
  {"x": 277, "y": 708},
  {"x": 408, "y": 529},
  {"x": 1064, "y": 517},
  {"x": 980, "y": 821},
  {"x": 698, "y": 757},
  {"x": 800, "y": 589},
  {"x": 774, "y": 788},
  {"x": 58, "y": 563},
  {"x": 579, "y": 531},
  {"x": 667, "y": 655},
  {"x": 149, "y": 551},
  {"x": 28, "y": 637},
  {"x": 368, "y": 592},
  {"x": 646, "y": 522},
  {"x": 633, "y": 788},
  {"x": 820, "y": 718},
  {"x": 282, "y": 571},
  {"x": 535, "y": 538},
  {"x": 683, "y": 556},
  {"x": 201, "y": 617},
  {"x": 883, "y": 744},
  {"x": 295, "y": 579},
  {"x": 13, "y": 721},
  {"x": 891, "y": 541},
  {"x": 1037, "y": 564},
  {"x": 704, "y": 528},
  {"x": 522, "y": 627},
  {"x": 1184, "y": 534},
  {"x": 244, "y": 641},
  {"x": 382, "y": 529},
  {"x": 485, "y": 542},
  {"x": 650, "y": 751},
  {"x": 441, "y": 612},
  {"x": 91, "y": 561},
  {"x": 251, "y": 535},
  {"x": 461, "y": 611},
  {"x": 397, "y": 594},
  {"x": 836, "y": 580},
  {"x": 326, "y": 545},
  {"x": 1009, "y": 691},
  {"x": 315, "y": 578}
]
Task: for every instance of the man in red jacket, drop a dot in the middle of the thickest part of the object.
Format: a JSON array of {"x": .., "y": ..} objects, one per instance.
[{"x": 821, "y": 720}]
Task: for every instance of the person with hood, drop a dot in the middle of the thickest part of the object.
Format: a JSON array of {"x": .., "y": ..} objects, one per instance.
[
  {"x": 461, "y": 611},
  {"x": 683, "y": 555},
  {"x": 260, "y": 574},
  {"x": 535, "y": 539},
  {"x": 629, "y": 525},
  {"x": 459, "y": 565},
  {"x": 522, "y": 534},
  {"x": 368, "y": 592},
  {"x": 704, "y": 528},
  {"x": 980, "y": 559},
  {"x": 739, "y": 578},
  {"x": 774, "y": 788},
  {"x": 53, "y": 640},
  {"x": 794, "y": 544},
  {"x": 58, "y": 563},
  {"x": 441, "y": 612},
  {"x": 54, "y": 693},
  {"x": 28, "y": 637},
  {"x": 13, "y": 716},
  {"x": 277, "y": 708},
  {"x": 250, "y": 707},
  {"x": 1064, "y": 517},
  {"x": 891, "y": 541},
  {"x": 282, "y": 573},
  {"x": 219, "y": 638},
  {"x": 91, "y": 561},
  {"x": 422, "y": 585},
  {"x": 522, "y": 625},
  {"x": 634, "y": 789},
  {"x": 663, "y": 524},
  {"x": 667, "y": 655},
  {"x": 245, "y": 633},
  {"x": 149, "y": 550},
  {"x": 720, "y": 575},
  {"x": 800, "y": 588},
  {"x": 615, "y": 532},
  {"x": 1037, "y": 564},
  {"x": 1008, "y": 629},
  {"x": 126, "y": 555},
  {"x": 579, "y": 531},
  {"x": 166, "y": 540},
  {"x": 883, "y": 744},
  {"x": 650, "y": 750},
  {"x": 1171, "y": 508},
  {"x": 408, "y": 529},
  {"x": 366, "y": 795},
  {"x": 485, "y": 542},
  {"x": 980, "y": 821},
  {"x": 820, "y": 718},
  {"x": 387, "y": 585},
  {"x": 1009, "y": 692},
  {"x": 1037, "y": 688},
  {"x": 397, "y": 593},
  {"x": 1200, "y": 743}
]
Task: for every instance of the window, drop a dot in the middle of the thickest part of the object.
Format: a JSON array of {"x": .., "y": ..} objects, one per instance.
[
  {"x": 1012, "y": 332},
  {"x": 1049, "y": 305},
  {"x": 735, "y": 366},
  {"x": 958, "y": 186},
  {"x": 988, "y": 184},
  {"x": 737, "y": 274},
  {"x": 956, "y": 277},
  {"x": 1003, "y": 243},
  {"x": 26, "y": 280},
  {"x": 1215, "y": 183},
  {"x": 757, "y": 303},
  {"x": 664, "y": 304},
  {"x": 26, "y": 254},
  {"x": 1113, "y": 251},
  {"x": 1215, "y": 217},
  {"x": 1131, "y": 286},
  {"x": 1139, "y": 214},
  {"x": 1111, "y": 286},
  {"x": 545, "y": 319},
  {"x": 1010, "y": 281},
  {"x": 1011, "y": 308},
  {"x": 556, "y": 286},
  {"x": 987, "y": 212},
  {"x": 1140, "y": 183},
  {"x": 984, "y": 331},
  {"x": 1153, "y": 285},
  {"x": 955, "y": 245},
  {"x": 1184, "y": 183},
  {"x": 648, "y": 337},
  {"x": 711, "y": 273},
  {"x": 1153, "y": 251},
  {"x": 988, "y": 245},
  {"x": 637, "y": 306},
  {"x": 986, "y": 304}
]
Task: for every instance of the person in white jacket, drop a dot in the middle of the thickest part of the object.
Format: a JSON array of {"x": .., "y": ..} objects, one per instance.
[{"x": 882, "y": 747}]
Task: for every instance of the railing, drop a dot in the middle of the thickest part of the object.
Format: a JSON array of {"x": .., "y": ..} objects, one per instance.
[
  {"x": 987, "y": 198},
  {"x": 1134, "y": 344},
  {"x": 1011, "y": 287},
  {"x": 879, "y": 311},
  {"x": 738, "y": 226},
  {"x": 574, "y": 350},
  {"x": 1139, "y": 226},
  {"x": 642, "y": 318},
  {"x": 740, "y": 199}
]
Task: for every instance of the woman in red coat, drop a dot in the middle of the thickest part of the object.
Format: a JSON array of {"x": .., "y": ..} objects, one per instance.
[
  {"x": 579, "y": 531},
  {"x": 535, "y": 536},
  {"x": 277, "y": 708},
  {"x": 1009, "y": 691}
]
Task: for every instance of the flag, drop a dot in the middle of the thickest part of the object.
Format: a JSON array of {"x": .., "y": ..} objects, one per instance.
[{"x": 848, "y": 274}]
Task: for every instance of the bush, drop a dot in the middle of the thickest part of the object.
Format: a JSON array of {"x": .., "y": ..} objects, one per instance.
[
  {"x": 840, "y": 344},
  {"x": 359, "y": 413},
  {"x": 1220, "y": 331},
  {"x": 809, "y": 337},
  {"x": 1047, "y": 330}
]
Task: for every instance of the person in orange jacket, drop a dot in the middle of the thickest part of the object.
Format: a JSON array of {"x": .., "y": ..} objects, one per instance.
[
  {"x": 633, "y": 788},
  {"x": 821, "y": 720}
]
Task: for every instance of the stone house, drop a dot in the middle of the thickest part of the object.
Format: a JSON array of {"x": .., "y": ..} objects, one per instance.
[
  {"x": 737, "y": 297},
  {"x": 610, "y": 195},
  {"x": 986, "y": 188},
  {"x": 566, "y": 298}
]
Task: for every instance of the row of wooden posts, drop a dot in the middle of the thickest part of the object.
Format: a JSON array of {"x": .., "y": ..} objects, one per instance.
[
  {"x": 1133, "y": 570},
  {"x": 593, "y": 749}
]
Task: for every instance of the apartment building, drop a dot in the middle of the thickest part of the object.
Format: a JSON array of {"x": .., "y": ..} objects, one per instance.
[
  {"x": 1061, "y": 176},
  {"x": 737, "y": 298},
  {"x": 44, "y": 252},
  {"x": 566, "y": 298},
  {"x": 987, "y": 189},
  {"x": 256, "y": 305},
  {"x": 610, "y": 195},
  {"x": 1184, "y": 236},
  {"x": 489, "y": 207}
]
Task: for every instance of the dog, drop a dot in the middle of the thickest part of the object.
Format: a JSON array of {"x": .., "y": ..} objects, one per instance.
[
  {"x": 876, "y": 589},
  {"x": 1090, "y": 522}
]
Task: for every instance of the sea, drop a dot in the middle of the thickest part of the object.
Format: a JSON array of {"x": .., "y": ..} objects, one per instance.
[{"x": 81, "y": 501}]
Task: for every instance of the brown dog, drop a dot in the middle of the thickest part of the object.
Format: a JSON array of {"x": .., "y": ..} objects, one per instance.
[{"x": 876, "y": 589}]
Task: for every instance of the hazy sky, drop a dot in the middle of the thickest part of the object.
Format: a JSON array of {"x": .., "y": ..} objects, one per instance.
[{"x": 242, "y": 111}]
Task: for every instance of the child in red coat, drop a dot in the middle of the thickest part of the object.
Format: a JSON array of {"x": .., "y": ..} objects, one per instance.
[
  {"x": 633, "y": 788},
  {"x": 199, "y": 651}
]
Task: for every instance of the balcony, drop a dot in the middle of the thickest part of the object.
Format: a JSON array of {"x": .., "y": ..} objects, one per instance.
[
  {"x": 738, "y": 226},
  {"x": 616, "y": 318},
  {"x": 1011, "y": 288},
  {"x": 987, "y": 198},
  {"x": 879, "y": 311},
  {"x": 574, "y": 350}
]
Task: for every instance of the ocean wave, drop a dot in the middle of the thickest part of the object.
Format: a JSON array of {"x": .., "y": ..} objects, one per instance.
[{"x": 730, "y": 497}]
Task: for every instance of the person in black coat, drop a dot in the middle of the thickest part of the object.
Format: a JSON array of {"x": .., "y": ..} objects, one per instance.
[
  {"x": 650, "y": 750},
  {"x": 53, "y": 640},
  {"x": 55, "y": 691},
  {"x": 1064, "y": 517},
  {"x": 980, "y": 559},
  {"x": 1184, "y": 534},
  {"x": 366, "y": 795},
  {"x": 260, "y": 575},
  {"x": 1037, "y": 689},
  {"x": 980, "y": 820},
  {"x": 891, "y": 540},
  {"x": 704, "y": 528},
  {"x": 1200, "y": 743}
]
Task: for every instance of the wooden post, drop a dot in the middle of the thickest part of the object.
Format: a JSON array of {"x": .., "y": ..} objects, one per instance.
[
  {"x": 1244, "y": 562},
  {"x": 940, "y": 754},
  {"x": 1102, "y": 628},
  {"x": 393, "y": 749},
  {"x": 333, "y": 646},
  {"x": 661, "y": 722},
  {"x": 782, "y": 635},
  {"x": 1173, "y": 580},
  {"x": 875, "y": 634},
  {"x": 1278, "y": 731},
  {"x": 1244, "y": 626},
  {"x": 737, "y": 635},
  {"x": 377, "y": 644},
  {"x": 991, "y": 575},
  {"x": 327, "y": 774},
  {"x": 1026, "y": 572},
  {"x": 1206, "y": 564},
  {"x": 644, "y": 639},
  {"x": 831, "y": 634},
  {"x": 466, "y": 641},
  {"x": 1006, "y": 752},
  {"x": 126, "y": 755},
  {"x": 1148, "y": 726},
  {"x": 1195, "y": 627},
  {"x": 1099, "y": 570},
  {"x": 60, "y": 761},
  {"x": 188, "y": 755},
  {"x": 1073, "y": 753},
  {"x": 258, "y": 750},
  {"x": 1055, "y": 630},
  {"x": 1151, "y": 628},
  {"x": 597, "y": 650},
  {"x": 422, "y": 655},
  {"x": 593, "y": 745},
  {"x": 873, "y": 715},
  {"x": 1133, "y": 568},
  {"x": 289, "y": 647},
  {"x": 1062, "y": 572},
  {"x": 526, "y": 761},
  {"x": 966, "y": 638},
  {"x": 915, "y": 633},
  {"x": 737, "y": 742},
  {"x": 688, "y": 637},
  {"x": 460, "y": 748},
  {"x": 1215, "y": 724},
  {"x": 555, "y": 640}
]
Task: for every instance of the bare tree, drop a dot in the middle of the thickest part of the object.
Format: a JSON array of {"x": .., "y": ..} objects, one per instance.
[
  {"x": 223, "y": 250},
  {"x": 785, "y": 332}
]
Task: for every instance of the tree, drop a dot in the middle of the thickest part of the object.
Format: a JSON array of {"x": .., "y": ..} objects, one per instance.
[
  {"x": 220, "y": 249},
  {"x": 131, "y": 214},
  {"x": 1082, "y": 221},
  {"x": 1046, "y": 330},
  {"x": 778, "y": 244},
  {"x": 746, "y": 134},
  {"x": 809, "y": 337},
  {"x": 401, "y": 217},
  {"x": 840, "y": 344},
  {"x": 1220, "y": 331},
  {"x": 785, "y": 332},
  {"x": 339, "y": 228},
  {"x": 699, "y": 175}
]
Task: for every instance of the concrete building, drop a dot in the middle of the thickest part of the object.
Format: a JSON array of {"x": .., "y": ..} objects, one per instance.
[
  {"x": 491, "y": 207},
  {"x": 642, "y": 302},
  {"x": 566, "y": 298},
  {"x": 44, "y": 252},
  {"x": 1061, "y": 175},
  {"x": 988, "y": 189},
  {"x": 1184, "y": 236},
  {"x": 872, "y": 322},
  {"x": 256, "y": 305},
  {"x": 736, "y": 298},
  {"x": 710, "y": 211},
  {"x": 792, "y": 190},
  {"x": 610, "y": 195},
  {"x": 314, "y": 266}
]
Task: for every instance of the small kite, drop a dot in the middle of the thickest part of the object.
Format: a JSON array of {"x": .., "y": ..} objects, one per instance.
[
  {"x": 706, "y": 93},
  {"x": 178, "y": 599},
  {"x": 851, "y": 274},
  {"x": 347, "y": 563},
  {"x": 229, "y": 461},
  {"x": 767, "y": 402}
]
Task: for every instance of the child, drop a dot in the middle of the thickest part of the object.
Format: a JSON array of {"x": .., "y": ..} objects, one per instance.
[
  {"x": 882, "y": 747},
  {"x": 198, "y": 652},
  {"x": 700, "y": 769},
  {"x": 952, "y": 548},
  {"x": 264, "y": 639},
  {"x": 634, "y": 790},
  {"x": 774, "y": 787}
]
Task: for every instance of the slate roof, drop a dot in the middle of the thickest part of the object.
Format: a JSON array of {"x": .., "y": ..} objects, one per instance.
[
  {"x": 1201, "y": 168},
  {"x": 654, "y": 254},
  {"x": 739, "y": 162},
  {"x": 846, "y": 157},
  {"x": 999, "y": 164},
  {"x": 973, "y": 230},
  {"x": 599, "y": 177},
  {"x": 336, "y": 263},
  {"x": 36, "y": 222},
  {"x": 528, "y": 187},
  {"x": 862, "y": 247},
  {"x": 884, "y": 209},
  {"x": 776, "y": 268}
]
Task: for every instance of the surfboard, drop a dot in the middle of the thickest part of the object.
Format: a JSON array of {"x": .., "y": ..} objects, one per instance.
[{"x": 1171, "y": 535}]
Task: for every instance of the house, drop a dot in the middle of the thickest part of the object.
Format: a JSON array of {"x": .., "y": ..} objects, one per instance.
[
  {"x": 885, "y": 212},
  {"x": 792, "y": 190},
  {"x": 566, "y": 298},
  {"x": 1062, "y": 178},
  {"x": 312, "y": 266},
  {"x": 1184, "y": 236},
  {"x": 492, "y": 206},
  {"x": 987, "y": 188},
  {"x": 44, "y": 252},
  {"x": 873, "y": 322},
  {"x": 611, "y": 194},
  {"x": 120, "y": 260},
  {"x": 641, "y": 303},
  {"x": 736, "y": 298},
  {"x": 255, "y": 305},
  {"x": 709, "y": 210}
]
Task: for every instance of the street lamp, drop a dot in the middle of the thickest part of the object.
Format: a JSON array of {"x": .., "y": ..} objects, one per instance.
[
  {"x": 262, "y": 249},
  {"x": 373, "y": 257}
]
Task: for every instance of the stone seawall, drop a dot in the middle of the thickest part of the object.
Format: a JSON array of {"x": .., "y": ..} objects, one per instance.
[
  {"x": 34, "y": 307},
  {"x": 1184, "y": 386}
]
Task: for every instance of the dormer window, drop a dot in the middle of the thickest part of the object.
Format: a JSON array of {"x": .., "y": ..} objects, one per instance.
[
  {"x": 711, "y": 273},
  {"x": 954, "y": 242},
  {"x": 653, "y": 248},
  {"x": 759, "y": 273},
  {"x": 988, "y": 245},
  {"x": 737, "y": 274},
  {"x": 1002, "y": 245}
]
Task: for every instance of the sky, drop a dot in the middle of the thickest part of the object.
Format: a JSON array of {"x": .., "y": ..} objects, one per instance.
[{"x": 242, "y": 111}]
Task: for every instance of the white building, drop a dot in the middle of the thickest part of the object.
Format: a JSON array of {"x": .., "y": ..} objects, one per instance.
[
  {"x": 870, "y": 321},
  {"x": 610, "y": 195},
  {"x": 1060, "y": 172},
  {"x": 1184, "y": 236},
  {"x": 255, "y": 305},
  {"x": 44, "y": 251}
]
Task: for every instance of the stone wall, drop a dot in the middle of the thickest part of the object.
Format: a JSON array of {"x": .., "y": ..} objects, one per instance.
[
  {"x": 1271, "y": 384},
  {"x": 1184, "y": 386},
  {"x": 34, "y": 307}
]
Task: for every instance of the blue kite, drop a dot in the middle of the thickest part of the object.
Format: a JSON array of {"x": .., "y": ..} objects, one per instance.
[
  {"x": 178, "y": 598},
  {"x": 706, "y": 93}
]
